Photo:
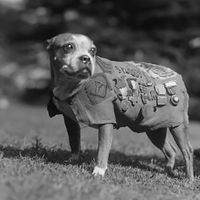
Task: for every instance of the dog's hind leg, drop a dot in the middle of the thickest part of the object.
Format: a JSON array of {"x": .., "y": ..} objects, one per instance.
[
  {"x": 73, "y": 130},
  {"x": 160, "y": 140},
  {"x": 180, "y": 134}
]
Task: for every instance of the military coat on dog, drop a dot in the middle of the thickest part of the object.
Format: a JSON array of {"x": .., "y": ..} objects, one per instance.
[{"x": 140, "y": 95}]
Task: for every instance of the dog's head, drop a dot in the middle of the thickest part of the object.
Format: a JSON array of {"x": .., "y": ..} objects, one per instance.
[{"x": 72, "y": 56}]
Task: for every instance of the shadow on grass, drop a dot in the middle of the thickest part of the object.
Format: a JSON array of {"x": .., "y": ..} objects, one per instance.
[
  {"x": 197, "y": 162},
  {"x": 57, "y": 155}
]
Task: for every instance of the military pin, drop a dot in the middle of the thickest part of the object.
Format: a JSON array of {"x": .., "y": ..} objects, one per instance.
[
  {"x": 149, "y": 84},
  {"x": 170, "y": 84},
  {"x": 170, "y": 91},
  {"x": 161, "y": 100},
  {"x": 125, "y": 105},
  {"x": 144, "y": 98},
  {"x": 174, "y": 100},
  {"x": 55, "y": 58},
  {"x": 64, "y": 67},
  {"x": 132, "y": 100},
  {"x": 123, "y": 92}
]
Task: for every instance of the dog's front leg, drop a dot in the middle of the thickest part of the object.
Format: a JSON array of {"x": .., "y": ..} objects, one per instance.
[
  {"x": 73, "y": 130},
  {"x": 104, "y": 146}
]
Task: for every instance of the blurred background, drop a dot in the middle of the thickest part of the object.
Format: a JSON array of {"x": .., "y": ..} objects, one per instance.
[{"x": 158, "y": 31}]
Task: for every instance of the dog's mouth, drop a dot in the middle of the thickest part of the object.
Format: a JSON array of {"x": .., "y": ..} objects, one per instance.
[{"x": 83, "y": 73}]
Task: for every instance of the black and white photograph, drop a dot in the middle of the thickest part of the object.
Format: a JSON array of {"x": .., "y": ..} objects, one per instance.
[{"x": 99, "y": 100}]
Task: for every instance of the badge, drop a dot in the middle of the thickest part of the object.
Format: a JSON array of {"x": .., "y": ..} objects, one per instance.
[
  {"x": 144, "y": 98},
  {"x": 161, "y": 100},
  {"x": 133, "y": 100},
  {"x": 143, "y": 89},
  {"x": 170, "y": 87},
  {"x": 170, "y": 84},
  {"x": 132, "y": 83},
  {"x": 174, "y": 100},
  {"x": 120, "y": 87},
  {"x": 119, "y": 82},
  {"x": 153, "y": 95},
  {"x": 160, "y": 89},
  {"x": 158, "y": 70},
  {"x": 96, "y": 88},
  {"x": 125, "y": 105},
  {"x": 124, "y": 92},
  {"x": 146, "y": 80}
]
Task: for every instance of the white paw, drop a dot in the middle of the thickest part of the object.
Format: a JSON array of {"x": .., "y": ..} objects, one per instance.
[{"x": 99, "y": 171}]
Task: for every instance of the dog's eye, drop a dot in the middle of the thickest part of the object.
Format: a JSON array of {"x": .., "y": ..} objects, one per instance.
[
  {"x": 93, "y": 51},
  {"x": 68, "y": 47}
]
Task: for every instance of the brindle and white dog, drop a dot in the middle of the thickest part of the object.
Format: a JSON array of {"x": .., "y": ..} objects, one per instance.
[{"x": 100, "y": 93}]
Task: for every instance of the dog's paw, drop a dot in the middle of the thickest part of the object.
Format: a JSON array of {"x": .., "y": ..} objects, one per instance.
[{"x": 99, "y": 171}]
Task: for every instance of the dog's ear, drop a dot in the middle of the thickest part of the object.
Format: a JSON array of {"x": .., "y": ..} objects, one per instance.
[{"x": 50, "y": 43}]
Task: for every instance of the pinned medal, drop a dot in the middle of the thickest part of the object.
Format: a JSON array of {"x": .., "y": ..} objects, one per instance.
[
  {"x": 174, "y": 100},
  {"x": 125, "y": 105},
  {"x": 161, "y": 100},
  {"x": 160, "y": 89},
  {"x": 170, "y": 84},
  {"x": 133, "y": 100},
  {"x": 123, "y": 92},
  {"x": 144, "y": 98},
  {"x": 121, "y": 88},
  {"x": 170, "y": 87},
  {"x": 149, "y": 84},
  {"x": 132, "y": 83}
]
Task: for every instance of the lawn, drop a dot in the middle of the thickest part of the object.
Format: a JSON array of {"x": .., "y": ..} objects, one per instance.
[{"x": 35, "y": 150}]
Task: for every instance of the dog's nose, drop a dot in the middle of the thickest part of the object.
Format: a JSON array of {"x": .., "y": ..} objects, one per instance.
[{"x": 85, "y": 59}]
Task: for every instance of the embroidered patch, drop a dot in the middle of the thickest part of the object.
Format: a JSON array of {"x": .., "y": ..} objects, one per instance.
[
  {"x": 125, "y": 105},
  {"x": 119, "y": 82},
  {"x": 157, "y": 71},
  {"x": 96, "y": 89},
  {"x": 128, "y": 68},
  {"x": 120, "y": 87}
]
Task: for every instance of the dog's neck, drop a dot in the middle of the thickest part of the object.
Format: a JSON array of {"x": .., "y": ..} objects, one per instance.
[{"x": 65, "y": 88}]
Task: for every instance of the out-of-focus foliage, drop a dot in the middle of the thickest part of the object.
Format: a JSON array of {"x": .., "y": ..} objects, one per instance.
[{"x": 158, "y": 31}]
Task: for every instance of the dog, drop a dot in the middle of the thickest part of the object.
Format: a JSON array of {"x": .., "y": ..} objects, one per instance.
[{"x": 89, "y": 90}]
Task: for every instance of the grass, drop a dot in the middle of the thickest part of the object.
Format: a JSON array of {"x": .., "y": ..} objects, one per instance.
[{"x": 34, "y": 153}]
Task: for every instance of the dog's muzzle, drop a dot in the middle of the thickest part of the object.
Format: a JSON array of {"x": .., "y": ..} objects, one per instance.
[{"x": 83, "y": 73}]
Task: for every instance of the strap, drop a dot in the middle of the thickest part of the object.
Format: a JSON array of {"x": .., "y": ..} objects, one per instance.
[{"x": 104, "y": 64}]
